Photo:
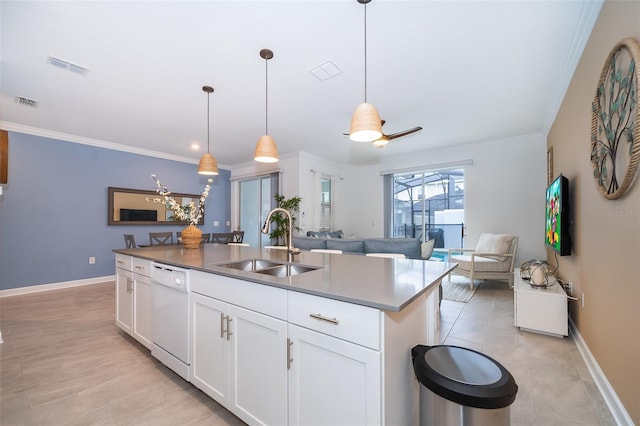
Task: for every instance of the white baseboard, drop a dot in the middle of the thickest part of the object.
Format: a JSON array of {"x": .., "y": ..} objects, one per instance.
[
  {"x": 619, "y": 413},
  {"x": 54, "y": 286}
]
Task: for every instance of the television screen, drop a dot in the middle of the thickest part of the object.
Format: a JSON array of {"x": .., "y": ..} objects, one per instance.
[
  {"x": 557, "y": 216},
  {"x": 137, "y": 215}
]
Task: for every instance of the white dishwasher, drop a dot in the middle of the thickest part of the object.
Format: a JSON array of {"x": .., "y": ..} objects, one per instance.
[{"x": 170, "y": 317}]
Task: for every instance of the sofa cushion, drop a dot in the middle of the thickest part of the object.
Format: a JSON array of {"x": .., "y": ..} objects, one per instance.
[
  {"x": 481, "y": 264},
  {"x": 318, "y": 234},
  {"x": 347, "y": 246},
  {"x": 336, "y": 234},
  {"x": 410, "y": 247},
  {"x": 494, "y": 243},
  {"x": 308, "y": 243}
]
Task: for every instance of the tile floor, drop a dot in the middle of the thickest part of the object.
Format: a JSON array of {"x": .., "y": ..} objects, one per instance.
[
  {"x": 554, "y": 385},
  {"x": 64, "y": 362}
]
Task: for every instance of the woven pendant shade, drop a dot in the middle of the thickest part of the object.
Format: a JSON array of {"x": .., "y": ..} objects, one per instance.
[
  {"x": 208, "y": 165},
  {"x": 266, "y": 150},
  {"x": 366, "y": 125}
]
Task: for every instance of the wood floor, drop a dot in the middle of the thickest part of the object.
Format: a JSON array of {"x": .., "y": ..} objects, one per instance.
[{"x": 64, "y": 362}]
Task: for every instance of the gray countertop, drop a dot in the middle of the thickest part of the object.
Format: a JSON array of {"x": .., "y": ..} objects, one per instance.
[{"x": 383, "y": 283}]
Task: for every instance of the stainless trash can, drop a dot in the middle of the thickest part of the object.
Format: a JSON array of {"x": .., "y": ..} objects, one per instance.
[{"x": 460, "y": 386}]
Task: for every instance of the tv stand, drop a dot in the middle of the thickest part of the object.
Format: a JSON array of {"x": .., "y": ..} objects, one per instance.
[{"x": 540, "y": 309}]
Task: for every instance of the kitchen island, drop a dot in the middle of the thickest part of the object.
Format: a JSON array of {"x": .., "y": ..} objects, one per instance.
[{"x": 328, "y": 344}]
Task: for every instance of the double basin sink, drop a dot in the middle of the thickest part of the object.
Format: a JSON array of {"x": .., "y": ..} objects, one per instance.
[{"x": 269, "y": 267}]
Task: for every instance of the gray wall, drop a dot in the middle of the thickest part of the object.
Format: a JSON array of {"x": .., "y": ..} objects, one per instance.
[{"x": 53, "y": 211}]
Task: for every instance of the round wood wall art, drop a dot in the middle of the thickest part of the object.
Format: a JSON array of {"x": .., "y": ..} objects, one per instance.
[{"x": 615, "y": 121}]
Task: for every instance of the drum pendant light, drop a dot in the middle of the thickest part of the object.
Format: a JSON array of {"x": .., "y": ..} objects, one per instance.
[
  {"x": 365, "y": 121},
  {"x": 266, "y": 149},
  {"x": 208, "y": 164}
]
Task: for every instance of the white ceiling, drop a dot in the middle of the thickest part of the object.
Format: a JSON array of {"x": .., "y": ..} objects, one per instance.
[{"x": 465, "y": 71}]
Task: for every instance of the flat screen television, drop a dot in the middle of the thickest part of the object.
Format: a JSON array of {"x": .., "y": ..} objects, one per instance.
[
  {"x": 557, "y": 216},
  {"x": 138, "y": 215}
]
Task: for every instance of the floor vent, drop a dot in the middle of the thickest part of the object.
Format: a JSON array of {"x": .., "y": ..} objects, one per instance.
[
  {"x": 61, "y": 63},
  {"x": 26, "y": 101}
]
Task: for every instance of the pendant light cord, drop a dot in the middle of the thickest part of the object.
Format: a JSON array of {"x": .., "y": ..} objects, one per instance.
[
  {"x": 266, "y": 95},
  {"x": 208, "y": 115},
  {"x": 365, "y": 52}
]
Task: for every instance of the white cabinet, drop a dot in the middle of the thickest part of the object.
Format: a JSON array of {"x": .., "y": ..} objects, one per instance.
[
  {"x": 239, "y": 356},
  {"x": 142, "y": 309},
  {"x": 210, "y": 348},
  {"x": 543, "y": 310},
  {"x": 124, "y": 299},
  {"x": 332, "y": 381},
  {"x": 133, "y": 298}
]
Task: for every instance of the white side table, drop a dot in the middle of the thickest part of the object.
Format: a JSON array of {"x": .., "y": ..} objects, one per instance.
[{"x": 540, "y": 309}]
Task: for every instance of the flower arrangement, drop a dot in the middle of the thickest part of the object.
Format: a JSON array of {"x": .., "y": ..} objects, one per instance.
[{"x": 191, "y": 212}]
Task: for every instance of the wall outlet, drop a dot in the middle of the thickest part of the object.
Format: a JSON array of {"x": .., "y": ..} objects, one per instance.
[
  {"x": 216, "y": 223},
  {"x": 582, "y": 299},
  {"x": 570, "y": 288},
  {"x": 92, "y": 260}
]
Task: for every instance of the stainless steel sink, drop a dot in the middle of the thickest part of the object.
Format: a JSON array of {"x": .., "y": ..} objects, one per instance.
[
  {"x": 268, "y": 267},
  {"x": 250, "y": 265},
  {"x": 286, "y": 270}
]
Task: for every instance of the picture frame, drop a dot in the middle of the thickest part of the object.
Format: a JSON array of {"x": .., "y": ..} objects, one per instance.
[{"x": 549, "y": 165}]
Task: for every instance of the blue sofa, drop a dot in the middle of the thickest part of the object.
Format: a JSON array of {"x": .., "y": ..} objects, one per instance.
[{"x": 410, "y": 247}]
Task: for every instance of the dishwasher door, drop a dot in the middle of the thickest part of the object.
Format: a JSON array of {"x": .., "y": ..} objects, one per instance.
[{"x": 170, "y": 317}]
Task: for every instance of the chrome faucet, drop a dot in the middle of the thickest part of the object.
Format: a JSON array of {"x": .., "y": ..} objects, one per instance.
[{"x": 267, "y": 222}]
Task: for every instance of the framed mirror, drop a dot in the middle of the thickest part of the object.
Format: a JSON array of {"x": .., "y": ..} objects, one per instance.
[{"x": 136, "y": 207}]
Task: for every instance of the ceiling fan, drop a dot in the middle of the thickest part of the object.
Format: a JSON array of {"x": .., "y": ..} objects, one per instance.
[{"x": 385, "y": 139}]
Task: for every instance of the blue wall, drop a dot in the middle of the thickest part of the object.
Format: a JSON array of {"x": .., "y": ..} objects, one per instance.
[{"x": 53, "y": 211}]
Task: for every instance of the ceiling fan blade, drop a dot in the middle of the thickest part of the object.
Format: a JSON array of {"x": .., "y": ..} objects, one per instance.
[{"x": 404, "y": 133}]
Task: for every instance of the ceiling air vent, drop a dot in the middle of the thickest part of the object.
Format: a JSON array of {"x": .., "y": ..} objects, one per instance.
[
  {"x": 325, "y": 71},
  {"x": 70, "y": 66},
  {"x": 26, "y": 101}
]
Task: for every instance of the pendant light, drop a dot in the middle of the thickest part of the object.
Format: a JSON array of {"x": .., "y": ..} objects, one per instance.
[
  {"x": 365, "y": 121},
  {"x": 208, "y": 164},
  {"x": 266, "y": 149}
]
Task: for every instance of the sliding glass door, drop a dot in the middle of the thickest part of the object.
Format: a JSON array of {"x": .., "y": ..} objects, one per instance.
[{"x": 256, "y": 201}]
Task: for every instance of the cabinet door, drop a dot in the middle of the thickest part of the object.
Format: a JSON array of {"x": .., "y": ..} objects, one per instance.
[
  {"x": 209, "y": 347},
  {"x": 331, "y": 381},
  {"x": 124, "y": 300},
  {"x": 258, "y": 367},
  {"x": 142, "y": 309}
]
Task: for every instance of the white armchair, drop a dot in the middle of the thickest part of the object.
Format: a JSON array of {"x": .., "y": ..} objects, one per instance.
[{"x": 493, "y": 258}]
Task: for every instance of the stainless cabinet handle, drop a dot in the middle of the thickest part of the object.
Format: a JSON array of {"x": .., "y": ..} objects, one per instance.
[
  {"x": 289, "y": 359},
  {"x": 129, "y": 286},
  {"x": 229, "y": 333},
  {"x": 323, "y": 318},
  {"x": 139, "y": 267},
  {"x": 221, "y": 325},
  {"x": 120, "y": 262}
]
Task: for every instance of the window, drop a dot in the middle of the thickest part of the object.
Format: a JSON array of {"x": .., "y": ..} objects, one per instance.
[
  {"x": 432, "y": 201},
  {"x": 325, "y": 203}
]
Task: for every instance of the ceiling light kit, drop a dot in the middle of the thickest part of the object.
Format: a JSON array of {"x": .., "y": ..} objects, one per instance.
[
  {"x": 208, "y": 164},
  {"x": 266, "y": 148},
  {"x": 365, "y": 121}
]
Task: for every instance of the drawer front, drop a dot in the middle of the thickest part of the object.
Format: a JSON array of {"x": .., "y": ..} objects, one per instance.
[
  {"x": 347, "y": 321},
  {"x": 123, "y": 262},
  {"x": 260, "y": 298},
  {"x": 141, "y": 266}
]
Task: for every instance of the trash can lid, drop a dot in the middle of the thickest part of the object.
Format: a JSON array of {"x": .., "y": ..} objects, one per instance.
[
  {"x": 463, "y": 365},
  {"x": 464, "y": 376}
]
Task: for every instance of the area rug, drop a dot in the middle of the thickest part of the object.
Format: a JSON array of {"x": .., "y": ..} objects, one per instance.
[{"x": 458, "y": 289}]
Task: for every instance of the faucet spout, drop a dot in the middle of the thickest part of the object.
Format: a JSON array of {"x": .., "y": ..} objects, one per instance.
[{"x": 267, "y": 222}]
